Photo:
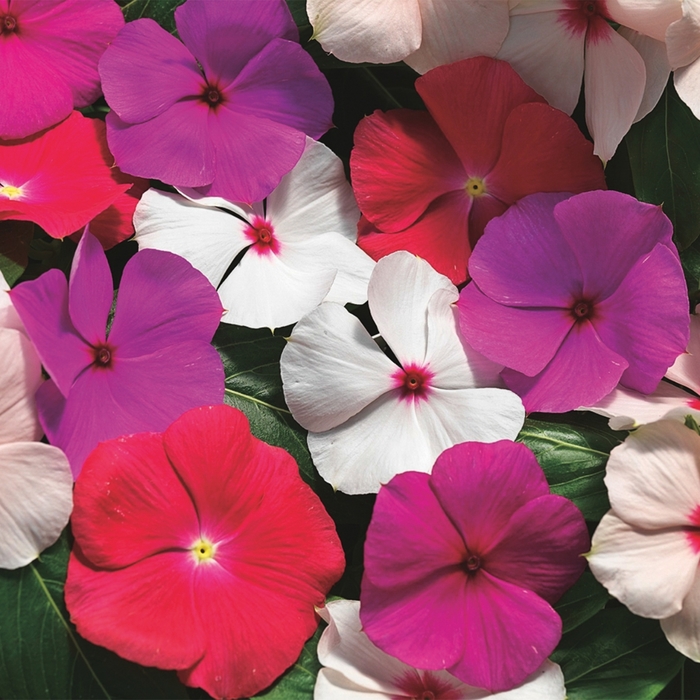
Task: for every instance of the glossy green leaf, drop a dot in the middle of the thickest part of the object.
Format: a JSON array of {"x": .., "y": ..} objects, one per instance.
[
  {"x": 581, "y": 601},
  {"x": 664, "y": 151},
  {"x": 162, "y": 11},
  {"x": 573, "y": 458},
  {"x": 41, "y": 654},
  {"x": 616, "y": 655}
]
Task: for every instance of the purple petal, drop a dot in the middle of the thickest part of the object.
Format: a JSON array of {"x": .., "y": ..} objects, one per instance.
[
  {"x": 283, "y": 84},
  {"x": 163, "y": 302},
  {"x": 608, "y": 232},
  {"x": 146, "y": 71},
  {"x": 646, "y": 318},
  {"x": 174, "y": 147},
  {"x": 509, "y": 630},
  {"x": 42, "y": 304},
  {"x": 90, "y": 290},
  {"x": 207, "y": 29},
  {"x": 522, "y": 339},
  {"x": 581, "y": 373},
  {"x": 539, "y": 269},
  {"x": 542, "y": 547},
  {"x": 480, "y": 486}
]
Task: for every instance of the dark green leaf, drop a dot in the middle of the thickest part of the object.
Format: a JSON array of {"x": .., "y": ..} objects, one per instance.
[
  {"x": 573, "y": 458},
  {"x": 616, "y": 655},
  {"x": 162, "y": 11},
  {"x": 582, "y": 601},
  {"x": 15, "y": 237},
  {"x": 41, "y": 654},
  {"x": 664, "y": 150}
]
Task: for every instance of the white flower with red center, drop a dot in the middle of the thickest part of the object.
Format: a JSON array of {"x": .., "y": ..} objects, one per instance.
[
  {"x": 298, "y": 246},
  {"x": 646, "y": 550},
  {"x": 370, "y": 417},
  {"x": 556, "y": 44}
]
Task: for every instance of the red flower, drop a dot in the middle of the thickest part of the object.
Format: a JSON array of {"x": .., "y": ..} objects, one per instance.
[
  {"x": 202, "y": 550},
  {"x": 429, "y": 182}
]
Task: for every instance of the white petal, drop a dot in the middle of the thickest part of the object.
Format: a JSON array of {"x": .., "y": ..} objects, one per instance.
[
  {"x": 354, "y": 269},
  {"x": 20, "y": 379},
  {"x": 687, "y": 83},
  {"x": 382, "y": 440},
  {"x": 356, "y": 30},
  {"x": 614, "y": 81},
  {"x": 333, "y": 685},
  {"x": 546, "y": 56},
  {"x": 245, "y": 211},
  {"x": 331, "y": 368},
  {"x": 272, "y": 290},
  {"x": 399, "y": 292},
  {"x": 653, "y": 53},
  {"x": 650, "y": 571},
  {"x": 36, "y": 500},
  {"x": 683, "y": 36},
  {"x": 208, "y": 238},
  {"x": 650, "y": 17},
  {"x": 456, "y": 30},
  {"x": 652, "y": 478},
  {"x": 547, "y": 683},
  {"x": 686, "y": 369},
  {"x": 629, "y": 409},
  {"x": 683, "y": 629},
  {"x": 314, "y": 198}
]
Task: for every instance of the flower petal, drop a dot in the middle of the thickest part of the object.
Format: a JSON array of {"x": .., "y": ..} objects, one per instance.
[
  {"x": 35, "y": 502},
  {"x": 651, "y": 572},
  {"x": 681, "y": 629},
  {"x": 650, "y": 17},
  {"x": 686, "y": 369},
  {"x": 683, "y": 37},
  {"x": 686, "y": 81}
]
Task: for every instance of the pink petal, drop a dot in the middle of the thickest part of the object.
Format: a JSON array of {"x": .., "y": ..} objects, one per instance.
[
  {"x": 650, "y": 17},
  {"x": 400, "y": 164},
  {"x": 683, "y": 37},
  {"x": 130, "y": 504},
  {"x": 681, "y": 629}
]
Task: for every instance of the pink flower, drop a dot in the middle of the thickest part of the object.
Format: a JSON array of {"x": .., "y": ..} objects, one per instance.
[
  {"x": 462, "y": 566},
  {"x": 429, "y": 182},
  {"x": 576, "y": 294},
  {"x": 227, "y": 111},
  {"x": 156, "y": 362},
  {"x": 48, "y": 53},
  {"x": 200, "y": 550}
]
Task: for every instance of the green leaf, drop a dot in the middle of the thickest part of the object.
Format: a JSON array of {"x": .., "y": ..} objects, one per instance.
[
  {"x": 15, "y": 237},
  {"x": 162, "y": 11},
  {"x": 573, "y": 458},
  {"x": 42, "y": 655},
  {"x": 616, "y": 655},
  {"x": 581, "y": 602},
  {"x": 664, "y": 150},
  {"x": 298, "y": 683}
]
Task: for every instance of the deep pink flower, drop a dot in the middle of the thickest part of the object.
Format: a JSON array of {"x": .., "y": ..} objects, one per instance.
[
  {"x": 227, "y": 112},
  {"x": 48, "y": 53},
  {"x": 461, "y": 566},
  {"x": 428, "y": 182},
  {"x": 156, "y": 362},
  {"x": 201, "y": 550},
  {"x": 576, "y": 294}
]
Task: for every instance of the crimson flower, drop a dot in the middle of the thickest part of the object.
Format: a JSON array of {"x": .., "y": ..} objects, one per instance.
[
  {"x": 428, "y": 182},
  {"x": 201, "y": 550}
]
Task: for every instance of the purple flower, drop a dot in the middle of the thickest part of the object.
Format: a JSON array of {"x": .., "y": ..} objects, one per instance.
[
  {"x": 226, "y": 113},
  {"x": 156, "y": 363},
  {"x": 462, "y": 566},
  {"x": 575, "y": 294}
]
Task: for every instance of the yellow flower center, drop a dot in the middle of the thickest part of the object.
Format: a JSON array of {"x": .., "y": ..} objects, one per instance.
[
  {"x": 11, "y": 192},
  {"x": 475, "y": 187},
  {"x": 203, "y": 550}
]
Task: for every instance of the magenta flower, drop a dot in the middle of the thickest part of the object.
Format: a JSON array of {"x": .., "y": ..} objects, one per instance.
[
  {"x": 226, "y": 113},
  {"x": 462, "y": 566},
  {"x": 48, "y": 53},
  {"x": 575, "y": 294},
  {"x": 156, "y": 362}
]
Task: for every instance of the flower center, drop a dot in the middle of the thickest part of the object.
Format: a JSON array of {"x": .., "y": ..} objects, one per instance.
[
  {"x": 472, "y": 563},
  {"x": 588, "y": 8},
  {"x": 475, "y": 187},
  {"x": 212, "y": 96},
  {"x": 203, "y": 550},
  {"x": 9, "y": 24},
  {"x": 11, "y": 192},
  {"x": 413, "y": 382},
  {"x": 582, "y": 309},
  {"x": 262, "y": 236},
  {"x": 102, "y": 355}
]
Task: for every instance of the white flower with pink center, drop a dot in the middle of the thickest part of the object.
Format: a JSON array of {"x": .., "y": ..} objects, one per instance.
[
  {"x": 646, "y": 550},
  {"x": 355, "y": 669},
  {"x": 371, "y": 417},
  {"x": 298, "y": 246}
]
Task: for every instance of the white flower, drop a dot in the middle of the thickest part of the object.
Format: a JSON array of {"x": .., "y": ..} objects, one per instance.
[
  {"x": 646, "y": 550},
  {"x": 355, "y": 669},
  {"x": 299, "y": 245},
  {"x": 370, "y": 418}
]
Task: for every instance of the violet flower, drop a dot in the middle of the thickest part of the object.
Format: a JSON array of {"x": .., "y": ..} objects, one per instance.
[
  {"x": 226, "y": 113},
  {"x": 156, "y": 363}
]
